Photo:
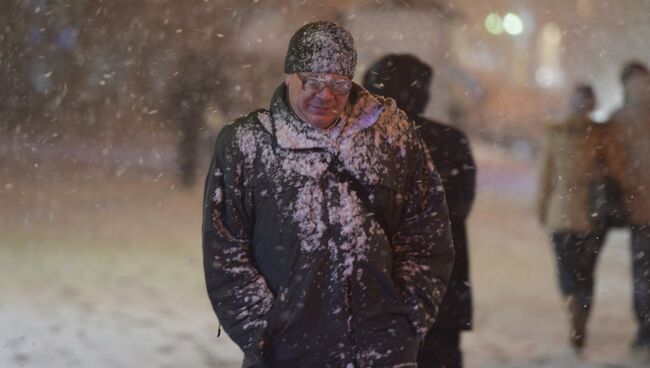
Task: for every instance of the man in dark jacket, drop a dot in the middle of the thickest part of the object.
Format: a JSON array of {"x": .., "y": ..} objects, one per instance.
[
  {"x": 407, "y": 80},
  {"x": 326, "y": 235},
  {"x": 631, "y": 125}
]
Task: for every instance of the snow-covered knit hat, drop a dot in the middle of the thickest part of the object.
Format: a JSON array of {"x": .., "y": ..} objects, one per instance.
[{"x": 321, "y": 47}]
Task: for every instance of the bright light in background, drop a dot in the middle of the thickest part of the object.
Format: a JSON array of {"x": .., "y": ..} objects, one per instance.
[
  {"x": 512, "y": 24},
  {"x": 548, "y": 77},
  {"x": 494, "y": 23},
  {"x": 552, "y": 34},
  {"x": 549, "y": 45}
]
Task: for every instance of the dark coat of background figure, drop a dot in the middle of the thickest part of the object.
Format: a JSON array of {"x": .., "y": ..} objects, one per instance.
[
  {"x": 407, "y": 80},
  {"x": 631, "y": 125}
]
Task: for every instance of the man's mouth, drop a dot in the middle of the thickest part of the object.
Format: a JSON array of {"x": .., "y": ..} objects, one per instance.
[{"x": 321, "y": 109}]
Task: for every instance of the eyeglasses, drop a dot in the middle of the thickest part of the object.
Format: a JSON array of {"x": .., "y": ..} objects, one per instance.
[{"x": 315, "y": 85}]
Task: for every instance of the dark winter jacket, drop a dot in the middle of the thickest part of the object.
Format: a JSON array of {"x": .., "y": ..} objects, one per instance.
[
  {"x": 407, "y": 79},
  {"x": 452, "y": 157},
  {"x": 325, "y": 248},
  {"x": 631, "y": 130}
]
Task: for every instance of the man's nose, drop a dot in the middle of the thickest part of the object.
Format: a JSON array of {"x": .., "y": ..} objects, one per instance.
[{"x": 325, "y": 93}]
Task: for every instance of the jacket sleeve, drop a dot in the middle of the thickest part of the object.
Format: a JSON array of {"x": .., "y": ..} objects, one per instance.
[
  {"x": 546, "y": 177},
  {"x": 238, "y": 292},
  {"x": 422, "y": 246},
  {"x": 614, "y": 155}
]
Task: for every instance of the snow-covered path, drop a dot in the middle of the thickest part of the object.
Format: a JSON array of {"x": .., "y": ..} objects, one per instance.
[{"x": 104, "y": 270}]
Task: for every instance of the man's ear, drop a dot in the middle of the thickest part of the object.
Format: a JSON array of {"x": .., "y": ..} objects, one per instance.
[{"x": 286, "y": 80}]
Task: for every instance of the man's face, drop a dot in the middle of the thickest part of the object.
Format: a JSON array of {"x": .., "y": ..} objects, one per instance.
[
  {"x": 583, "y": 102},
  {"x": 638, "y": 85},
  {"x": 318, "y": 99}
]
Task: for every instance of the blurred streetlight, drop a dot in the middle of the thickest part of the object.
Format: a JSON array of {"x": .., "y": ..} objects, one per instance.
[
  {"x": 512, "y": 24},
  {"x": 494, "y": 23}
]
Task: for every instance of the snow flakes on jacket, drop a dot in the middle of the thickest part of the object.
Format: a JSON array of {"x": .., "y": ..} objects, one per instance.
[{"x": 325, "y": 247}]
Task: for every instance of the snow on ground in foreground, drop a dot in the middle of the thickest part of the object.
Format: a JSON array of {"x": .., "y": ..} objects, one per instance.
[{"x": 104, "y": 270}]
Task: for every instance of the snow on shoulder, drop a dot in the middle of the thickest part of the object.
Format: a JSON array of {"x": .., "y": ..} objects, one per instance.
[{"x": 373, "y": 110}]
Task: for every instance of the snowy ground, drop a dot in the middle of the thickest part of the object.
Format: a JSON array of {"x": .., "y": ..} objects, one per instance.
[{"x": 100, "y": 266}]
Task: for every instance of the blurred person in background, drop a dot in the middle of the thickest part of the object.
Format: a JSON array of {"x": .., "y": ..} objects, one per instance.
[
  {"x": 576, "y": 155},
  {"x": 326, "y": 234},
  {"x": 632, "y": 126},
  {"x": 407, "y": 80},
  {"x": 190, "y": 92}
]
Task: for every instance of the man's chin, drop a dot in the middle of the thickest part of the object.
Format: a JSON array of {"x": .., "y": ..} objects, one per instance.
[{"x": 321, "y": 121}]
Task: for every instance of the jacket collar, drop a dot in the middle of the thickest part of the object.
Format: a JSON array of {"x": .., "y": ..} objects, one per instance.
[{"x": 361, "y": 112}]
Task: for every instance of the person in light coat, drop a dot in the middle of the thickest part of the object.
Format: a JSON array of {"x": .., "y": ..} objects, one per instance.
[{"x": 576, "y": 154}]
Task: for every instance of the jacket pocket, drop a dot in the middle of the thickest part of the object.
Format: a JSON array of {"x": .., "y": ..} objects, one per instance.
[{"x": 386, "y": 204}]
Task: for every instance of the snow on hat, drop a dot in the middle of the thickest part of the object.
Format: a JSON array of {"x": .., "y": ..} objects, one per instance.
[{"x": 321, "y": 47}]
